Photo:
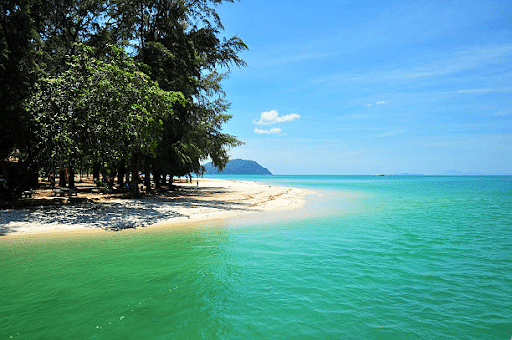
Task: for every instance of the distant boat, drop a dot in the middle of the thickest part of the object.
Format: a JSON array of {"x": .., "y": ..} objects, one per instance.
[{"x": 379, "y": 175}]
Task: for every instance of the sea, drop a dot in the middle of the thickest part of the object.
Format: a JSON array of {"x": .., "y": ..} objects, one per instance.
[{"x": 393, "y": 257}]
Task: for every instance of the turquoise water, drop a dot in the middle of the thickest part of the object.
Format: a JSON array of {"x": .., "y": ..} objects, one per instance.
[{"x": 371, "y": 258}]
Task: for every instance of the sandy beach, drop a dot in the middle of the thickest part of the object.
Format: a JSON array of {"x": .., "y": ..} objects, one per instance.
[{"x": 190, "y": 203}]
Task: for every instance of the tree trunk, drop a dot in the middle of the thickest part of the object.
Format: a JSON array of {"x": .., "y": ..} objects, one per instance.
[
  {"x": 71, "y": 178},
  {"x": 171, "y": 186},
  {"x": 157, "y": 180},
  {"x": 62, "y": 178},
  {"x": 120, "y": 176},
  {"x": 147, "y": 181},
  {"x": 95, "y": 172},
  {"x": 104, "y": 176},
  {"x": 135, "y": 182}
]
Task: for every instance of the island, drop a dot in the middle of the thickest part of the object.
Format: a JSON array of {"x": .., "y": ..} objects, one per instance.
[{"x": 238, "y": 167}]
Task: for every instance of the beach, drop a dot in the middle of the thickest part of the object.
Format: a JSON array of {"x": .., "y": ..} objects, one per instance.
[{"x": 201, "y": 200}]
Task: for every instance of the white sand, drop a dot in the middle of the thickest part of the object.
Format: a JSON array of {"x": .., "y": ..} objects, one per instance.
[{"x": 212, "y": 199}]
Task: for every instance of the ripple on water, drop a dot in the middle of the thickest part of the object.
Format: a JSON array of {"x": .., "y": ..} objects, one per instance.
[{"x": 413, "y": 258}]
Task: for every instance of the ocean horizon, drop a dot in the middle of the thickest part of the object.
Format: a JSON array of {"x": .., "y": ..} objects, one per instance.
[{"x": 393, "y": 257}]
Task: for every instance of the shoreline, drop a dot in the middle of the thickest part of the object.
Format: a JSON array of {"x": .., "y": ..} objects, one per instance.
[{"x": 212, "y": 199}]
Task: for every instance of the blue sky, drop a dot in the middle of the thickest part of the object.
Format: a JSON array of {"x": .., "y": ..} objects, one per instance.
[{"x": 366, "y": 87}]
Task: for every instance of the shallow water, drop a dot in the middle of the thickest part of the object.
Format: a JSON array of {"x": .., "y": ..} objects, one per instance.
[{"x": 372, "y": 258}]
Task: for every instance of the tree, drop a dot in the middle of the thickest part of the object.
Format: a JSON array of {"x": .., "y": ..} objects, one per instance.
[
  {"x": 18, "y": 43},
  {"x": 179, "y": 41},
  {"x": 101, "y": 111},
  {"x": 56, "y": 93}
]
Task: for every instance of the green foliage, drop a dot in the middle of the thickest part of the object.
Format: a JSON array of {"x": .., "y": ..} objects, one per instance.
[
  {"x": 71, "y": 96},
  {"x": 18, "y": 43},
  {"x": 104, "y": 111}
]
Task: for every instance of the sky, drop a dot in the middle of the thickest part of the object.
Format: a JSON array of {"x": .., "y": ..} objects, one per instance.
[{"x": 372, "y": 87}]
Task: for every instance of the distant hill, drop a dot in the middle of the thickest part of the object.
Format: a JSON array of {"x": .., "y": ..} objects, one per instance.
[
  {"x": 460, "y": 173},
  {"x": 238, "y": 167}
]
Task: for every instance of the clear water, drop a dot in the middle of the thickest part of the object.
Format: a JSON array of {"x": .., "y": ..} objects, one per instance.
[{"x": 372, "y": 258}]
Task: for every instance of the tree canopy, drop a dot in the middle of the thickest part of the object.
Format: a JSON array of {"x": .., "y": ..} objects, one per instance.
[{"x": 133, "y": 84}]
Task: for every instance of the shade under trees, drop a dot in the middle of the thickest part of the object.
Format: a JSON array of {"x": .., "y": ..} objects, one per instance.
[{"x": 115, "y": 86}]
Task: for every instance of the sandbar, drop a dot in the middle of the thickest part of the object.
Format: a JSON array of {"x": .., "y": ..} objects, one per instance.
[{"x": 201, "y": 200}]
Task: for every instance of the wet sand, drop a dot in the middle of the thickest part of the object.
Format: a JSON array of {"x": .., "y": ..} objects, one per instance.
[{"x": 190, "y": 203}]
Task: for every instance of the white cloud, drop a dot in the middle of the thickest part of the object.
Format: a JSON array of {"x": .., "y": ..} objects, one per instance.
[
  {"x": 500, "y": 89},
  {"x": 354, "y": 117},
  {"x": 438, "y": 65},
  {"x": 390, "y": 133},
  {"x": 272, "y": 117},
  {"x": 267, "y": 132},
  {"x": 381, "y": 102},
  {"x": 476, "y": 91},
  {"x": 501, "y": 113}
]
